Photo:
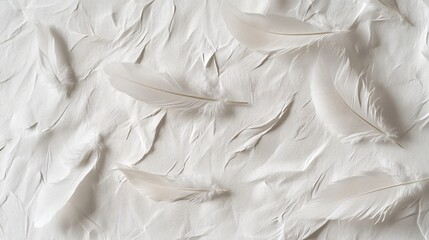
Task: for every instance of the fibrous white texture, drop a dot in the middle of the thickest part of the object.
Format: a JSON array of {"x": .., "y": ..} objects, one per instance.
[{"x": 298, "y": 161}]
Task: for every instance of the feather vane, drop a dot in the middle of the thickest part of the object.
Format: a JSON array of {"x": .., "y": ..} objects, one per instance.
[
  {"x": 346, "y": 104},
  {"x": 54, "y": 59},
  {"x": 366, "y": 196},
  {"x": 271, "y": 32},
  {"x": 171, "y": 189},
  {"x": 162, "y": 90}
]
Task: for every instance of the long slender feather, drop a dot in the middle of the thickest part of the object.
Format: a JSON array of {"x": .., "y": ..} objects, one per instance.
[
  {"x": 54, "y": 59},
  {"x": 169, "y": 188},
  {"x": 345, "y": 103},
  {"x": 144, "y": 84},
  {"x": 271, "y": 32},
  {"x": 368, "y": 195}
]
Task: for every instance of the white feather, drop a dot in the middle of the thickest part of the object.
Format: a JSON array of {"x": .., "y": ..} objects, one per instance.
[
  {"x": 368, "y": 195},
  {"x": 54, "y": 59},
  {"x": 345, "y": 103},
  {"x": 171, "y": 188},
  {"x": 271, "y": 32},
  {"x": 160, "y": 90},
  {"x": 54, "y": 195}
]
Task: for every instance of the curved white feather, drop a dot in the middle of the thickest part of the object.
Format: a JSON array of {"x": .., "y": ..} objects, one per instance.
[
  {"x": 271, "y": 32},
  {"x": 169, "y": 188},
  {"x": 344, "y": 102},
  {"x": 161, "y": 90},
  {"x": 369, "y": 195},
  {"x": 54, "y": 59}
]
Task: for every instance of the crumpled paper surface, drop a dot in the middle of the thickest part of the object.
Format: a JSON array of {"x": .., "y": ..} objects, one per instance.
[{"x": 271, "y": 158}]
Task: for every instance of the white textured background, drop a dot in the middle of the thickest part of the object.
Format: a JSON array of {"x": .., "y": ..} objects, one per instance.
[{"x": 295, "y": 156}]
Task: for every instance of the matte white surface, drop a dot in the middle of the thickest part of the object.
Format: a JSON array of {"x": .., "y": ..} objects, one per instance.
[{"x": 59, "y": 148}]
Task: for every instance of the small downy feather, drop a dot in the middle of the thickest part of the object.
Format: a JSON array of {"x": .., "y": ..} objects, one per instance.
[
  {"x": 271, "y": 32},
  {"x": 345, "y": 103},
  {"x": 366, "y": 196},
  {"x": 161, "y": 90},
  {"x": 171, "y": 188},
  {"x": 57, "y": 190},
  {"x": 54, "y": 59}
]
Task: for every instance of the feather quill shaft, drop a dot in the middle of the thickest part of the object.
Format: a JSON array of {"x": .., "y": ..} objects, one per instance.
[{"x": 171, "y": 189}]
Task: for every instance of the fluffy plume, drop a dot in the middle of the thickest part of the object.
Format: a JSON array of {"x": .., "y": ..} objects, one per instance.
[
  {"x": 171, "y": 188},
  {"x": 368, "y": 195},
  {"x": 54, "y": 59},
  {"x": 271, "y": 32},
  {"x": 345, "y": 103},
  {"x": 160, "y": 90},
  {"x": 58, "y": 189}
]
